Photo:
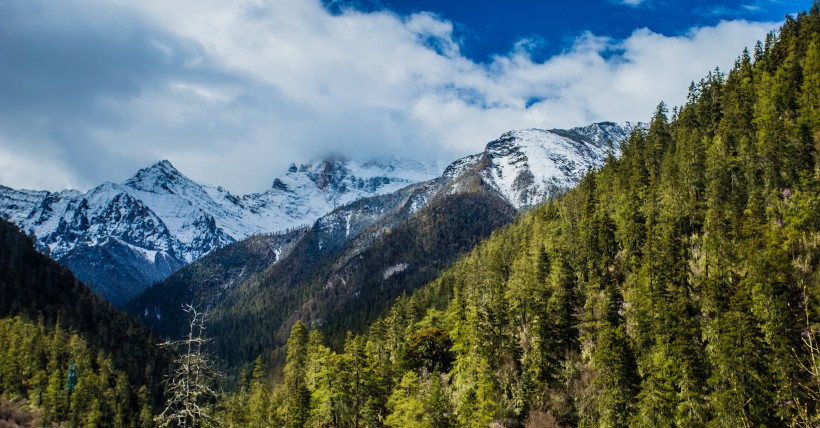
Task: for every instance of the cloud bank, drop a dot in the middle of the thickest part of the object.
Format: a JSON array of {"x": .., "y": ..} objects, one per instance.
[{"x": 233, "y": 91}]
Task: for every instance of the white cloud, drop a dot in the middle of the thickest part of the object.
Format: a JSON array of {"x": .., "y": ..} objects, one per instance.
[
  {"x": 233, "y": 91},
  {"x": 32, "y": 173},
  {"x": 632, "y": 2}
]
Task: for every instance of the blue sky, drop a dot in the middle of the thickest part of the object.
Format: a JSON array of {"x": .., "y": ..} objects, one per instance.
[
  {"x": 233, "y": 91},
  {"x": 489, "y": 27}
]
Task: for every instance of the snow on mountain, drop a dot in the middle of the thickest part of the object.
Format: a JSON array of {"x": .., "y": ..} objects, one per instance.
[
  {"x": 311, "y": 190},
  {"x": 525, "y": 168},
  {"x": 364, "y": 252},
  {"x": 165, "y": 220},
  {"x": 529, "y": 166},
  {"x": 120, "y": 238},
  {"x": 200, "y": 217}
]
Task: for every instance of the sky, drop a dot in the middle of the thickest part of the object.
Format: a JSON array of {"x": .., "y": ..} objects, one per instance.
[{"x": 233, "y": 91}]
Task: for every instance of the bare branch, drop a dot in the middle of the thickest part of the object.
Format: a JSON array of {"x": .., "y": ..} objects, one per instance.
[{"x": 188, "y": 388}]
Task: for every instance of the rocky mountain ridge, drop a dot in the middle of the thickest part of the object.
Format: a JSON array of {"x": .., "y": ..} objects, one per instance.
[
  {"x": 364, "y": 253},
  {"x": 121, "y": 238}
]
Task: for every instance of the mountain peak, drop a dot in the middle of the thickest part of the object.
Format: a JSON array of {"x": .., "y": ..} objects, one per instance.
[
  {"x": 530, "y": 165},
  {"x": 602, "y": 134},
  {"x": 159, "y": 174},
  {"x": 335, "y": 157},
  {"x": 164, "y": 166}
]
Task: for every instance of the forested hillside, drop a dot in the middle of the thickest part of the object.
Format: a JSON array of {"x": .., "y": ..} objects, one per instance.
[
  {"x": 677, "y": 286},
  {"x": 67, "y": 351},
  {"x": 207, "y": 282},
  {"x": 345, "y": 270},
  {"x": 332, "y": 287}
]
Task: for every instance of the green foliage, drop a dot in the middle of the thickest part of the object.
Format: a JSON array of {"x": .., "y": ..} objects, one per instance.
[
  {"x": 405, "y": 406},
  {"x": 297, "y": 407},
  {"x": 39, "y": 359},
  {"x": 617, "y": 378},
  {"x": 420, "y": 401},
  {"x": 430, "y": 349},
  {"x": 67, "y": 351},
  {"x": 677, "y": 286}
]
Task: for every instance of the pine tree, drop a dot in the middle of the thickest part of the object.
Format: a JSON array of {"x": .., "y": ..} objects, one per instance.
[
  {"x": 258, "y": 396},
  {"x": 297, "y": 395},
  {"x": 324, "y": 382},
  {"x": 809, "y": 101},
  {"x": 617, "y": 378},
  {"x": 404, "y": 405}
]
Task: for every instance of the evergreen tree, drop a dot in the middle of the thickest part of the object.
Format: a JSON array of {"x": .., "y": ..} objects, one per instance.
[
  {"x": 258, "y": 397},
  {"x": 617, "y": 379},
  {"x": 297, "y": 395}
]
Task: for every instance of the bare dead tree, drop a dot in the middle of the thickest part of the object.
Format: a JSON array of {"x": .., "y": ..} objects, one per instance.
[{"x": 190, "y": 387}]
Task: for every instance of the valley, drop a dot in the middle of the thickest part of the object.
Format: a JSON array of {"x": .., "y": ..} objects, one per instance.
[{"x": 661, "y": 272}]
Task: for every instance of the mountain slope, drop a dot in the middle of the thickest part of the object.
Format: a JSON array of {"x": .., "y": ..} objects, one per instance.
[
  {"x": 355, "y": 260},
  {"x": 342, "y": 289},
  {"x": 209, "y": 280},
  {"x": 120, "y": 238},
  {"x": 42, "y": 299},
  {"x": 677, "y": 286}
]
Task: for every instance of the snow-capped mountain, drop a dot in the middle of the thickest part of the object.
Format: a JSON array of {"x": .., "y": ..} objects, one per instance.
[
  {"x": 120, "y": 238},
  {"x": 529, "y": 166},
  {"x": 367, "y": 252},
  {"x": 524, "y": 168},
  {"x": 521, "y": 168}
]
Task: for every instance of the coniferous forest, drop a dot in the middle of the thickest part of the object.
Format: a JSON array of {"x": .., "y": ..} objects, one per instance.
[
  {"x": 66, "y": 351},
  {"x": 676, "y": 286}
]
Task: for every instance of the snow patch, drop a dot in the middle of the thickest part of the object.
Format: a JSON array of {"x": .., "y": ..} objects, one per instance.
[
  {"x": 392, "y": 270},
  {"x": 149, "y": 255}
]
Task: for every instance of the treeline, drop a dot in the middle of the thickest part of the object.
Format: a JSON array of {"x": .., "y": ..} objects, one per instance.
[{"x": 677, "y": 286}]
